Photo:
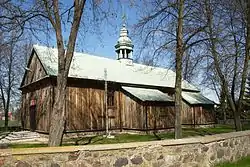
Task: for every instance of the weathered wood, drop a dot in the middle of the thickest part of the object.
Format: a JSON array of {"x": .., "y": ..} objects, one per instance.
[
  {"x": 197, "y": 114},
  {"x": 42, "y": 108},
  {"x": 85, "y": 105},
  {"x": 85, "y": 109},
  {"x": 34, "y": 72}
]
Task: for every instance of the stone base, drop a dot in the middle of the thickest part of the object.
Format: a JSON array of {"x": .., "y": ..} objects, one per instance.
[{"x": 189, "y": 152}]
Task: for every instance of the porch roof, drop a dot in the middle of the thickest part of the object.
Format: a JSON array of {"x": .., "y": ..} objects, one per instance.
[
  {"x": 148, "y": 94},
  {"x": 195, "y": 98}
]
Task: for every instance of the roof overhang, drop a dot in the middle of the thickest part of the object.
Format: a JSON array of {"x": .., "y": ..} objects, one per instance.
[
  {"x": 148, "y": 95},
  {"x": 196, "y": 98}
]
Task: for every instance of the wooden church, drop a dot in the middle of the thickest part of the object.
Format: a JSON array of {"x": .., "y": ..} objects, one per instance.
[{"x": 139, "y": 97}]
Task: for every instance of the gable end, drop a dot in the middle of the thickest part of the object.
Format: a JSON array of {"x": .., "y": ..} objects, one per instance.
[{"x": 34, "y": 70}]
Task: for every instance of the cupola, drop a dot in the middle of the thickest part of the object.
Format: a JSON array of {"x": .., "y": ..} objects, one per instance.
[{"x": 124, "y": 47}]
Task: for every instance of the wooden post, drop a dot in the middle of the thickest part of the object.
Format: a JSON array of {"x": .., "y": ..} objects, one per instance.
[
  {"x": 106, "y": 100},
  {"x": 120, "y": 110},
  {"x": 194, "y": 118},
  {"x": 147, "y": 118}
]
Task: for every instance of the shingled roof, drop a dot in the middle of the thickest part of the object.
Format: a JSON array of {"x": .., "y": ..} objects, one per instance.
[{"x": 85, "y": 66}]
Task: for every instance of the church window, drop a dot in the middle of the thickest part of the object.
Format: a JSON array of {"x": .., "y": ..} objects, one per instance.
[{"x": 111, "y": 98}]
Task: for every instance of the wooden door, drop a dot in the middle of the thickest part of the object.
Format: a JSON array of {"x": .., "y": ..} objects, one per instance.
[
  {"x": 111, "y": 116},
  {"x": 33, "y": 118}
]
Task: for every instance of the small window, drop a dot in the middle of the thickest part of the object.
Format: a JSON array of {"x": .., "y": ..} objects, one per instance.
[{"x": 111, "y": 98}]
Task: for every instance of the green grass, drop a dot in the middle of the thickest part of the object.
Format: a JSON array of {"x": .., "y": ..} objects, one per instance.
[
  {"x": 126, "y": 138},
  {"x": 27, "y": 145},
  {"x": 13, "y": 123},
  {"x": 244, "y": 162}
]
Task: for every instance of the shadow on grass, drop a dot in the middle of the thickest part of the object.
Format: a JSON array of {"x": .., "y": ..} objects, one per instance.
[
  {"x": 126, "y": 138},
  {"x": 156, "y": 136}
]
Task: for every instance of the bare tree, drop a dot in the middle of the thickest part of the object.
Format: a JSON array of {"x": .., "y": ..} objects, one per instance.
[
  {"x": 172, "y": 28},
  {"x": 247, "y": 46},
  {"x": 53, "y": 12},
  {"x": 11, "y": 63},
  {"x": 64, "y": 60},
  {"x": 223, "y": 62},
  {"x": 44, "y": 16},
  {"x": 6, "y": 79},
  {"x": 178, "y": 61}
]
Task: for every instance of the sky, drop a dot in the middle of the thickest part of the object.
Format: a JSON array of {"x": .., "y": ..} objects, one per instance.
[{"x": 99, "y": 37}]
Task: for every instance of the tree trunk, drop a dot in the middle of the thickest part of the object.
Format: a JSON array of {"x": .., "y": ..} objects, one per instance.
[
  {"x": 57, "y": 126},
  {"x": 6, "y": 118},
  {"x": 223, "y": 104},
  {"x": 246, "y": 60},
  {"x": 178, "y": 79},
  {"x": 214, "y": 53},
  {"x": 5, "y": 107},
  {"x": 247, "y": 96},
  {"x": 8, "y": 92},
  {"x": 237, "y": 121},
  {"x": 58, "y": 113}
]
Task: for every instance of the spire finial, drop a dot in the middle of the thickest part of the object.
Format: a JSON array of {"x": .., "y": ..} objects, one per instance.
[
  {"x": 124, "y": 46},
  {"x": 124, "y": 17}
]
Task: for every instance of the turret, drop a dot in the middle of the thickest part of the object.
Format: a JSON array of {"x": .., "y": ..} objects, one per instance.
[{"x": 124, "y": 47}]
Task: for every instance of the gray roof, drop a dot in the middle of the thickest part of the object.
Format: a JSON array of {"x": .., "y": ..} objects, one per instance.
[
  {"x": 148, "y": 94},
  {"x": 195, "y": 98},
  {"x": 87, "y": 66}
]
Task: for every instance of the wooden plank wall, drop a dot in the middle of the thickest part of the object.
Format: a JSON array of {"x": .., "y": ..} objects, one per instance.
[
  {"x": 188, "y": 114},
  {"x": 161, "y": 117},
  {"x": 85, "y": 108},
  {"x": 42, "y": 95},
  {"x": 85, "y": 111},
  {"x": 36, "y": 71},
  {"x": 204, "y": 115},
  {"x": 77, "y": 109},
  {"x": 43, "y": 108},
  {"x": 198, "y": 115},
  {"x": 131, "y": 112},
  {"x": 138, "y": 116}
]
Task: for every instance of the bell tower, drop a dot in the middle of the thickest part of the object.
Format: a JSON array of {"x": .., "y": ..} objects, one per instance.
[{"x": 124, "y": 47}]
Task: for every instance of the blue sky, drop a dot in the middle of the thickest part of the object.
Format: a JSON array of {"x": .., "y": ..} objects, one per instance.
[{"x": 99, "y": 38}]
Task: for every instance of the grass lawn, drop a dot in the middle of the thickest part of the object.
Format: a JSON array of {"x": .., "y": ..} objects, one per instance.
[
  {"x": 13, "y": 123},
  {"x": 13, "y": 126},
  {"x": 245, "y": 162},
  {"x": 126, "y": 138}
]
